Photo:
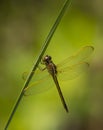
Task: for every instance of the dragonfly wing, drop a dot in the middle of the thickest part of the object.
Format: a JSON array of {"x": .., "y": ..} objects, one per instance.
[
  {"x": 71, "y": 72},
  {"x": 37, "y": 75},
  {"x": 41, "y": 81},
  {"x": 78, "y": 57}
]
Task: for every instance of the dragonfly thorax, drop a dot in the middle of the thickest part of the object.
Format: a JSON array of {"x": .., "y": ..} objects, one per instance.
[{"x": 51, "y": 67}]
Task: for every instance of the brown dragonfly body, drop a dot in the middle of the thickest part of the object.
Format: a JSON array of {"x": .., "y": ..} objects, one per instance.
[{"x": 51, "y": 67}]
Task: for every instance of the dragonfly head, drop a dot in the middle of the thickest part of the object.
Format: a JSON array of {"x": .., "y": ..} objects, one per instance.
[{"x": 47, "y": 59}]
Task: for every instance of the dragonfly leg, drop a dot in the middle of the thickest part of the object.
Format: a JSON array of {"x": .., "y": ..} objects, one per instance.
[{"x": 40, "y": 68}]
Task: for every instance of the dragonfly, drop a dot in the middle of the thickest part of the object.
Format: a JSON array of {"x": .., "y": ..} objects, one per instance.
[{"x": 68, "y": 69}]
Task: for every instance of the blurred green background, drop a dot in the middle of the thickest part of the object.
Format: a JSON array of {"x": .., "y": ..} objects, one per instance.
[{"x": 24, "y": 25}]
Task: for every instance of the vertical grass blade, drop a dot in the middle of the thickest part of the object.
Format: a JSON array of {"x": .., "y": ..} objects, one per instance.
[{"x": 45, "y": 45}]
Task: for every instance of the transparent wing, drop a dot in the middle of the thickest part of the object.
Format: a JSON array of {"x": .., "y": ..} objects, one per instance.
[
  {"x": 71, "y": 72},
  {"x": 41, "y": 81},
  {"x": 78, "y": 57},
  {"x": 74, "y": 65}
]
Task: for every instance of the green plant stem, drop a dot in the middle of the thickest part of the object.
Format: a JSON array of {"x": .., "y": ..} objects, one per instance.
[{"x": 45, "y": 45}]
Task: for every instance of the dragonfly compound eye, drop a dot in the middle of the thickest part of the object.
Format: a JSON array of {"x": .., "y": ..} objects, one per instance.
[{"x": 47, "y": 58}]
